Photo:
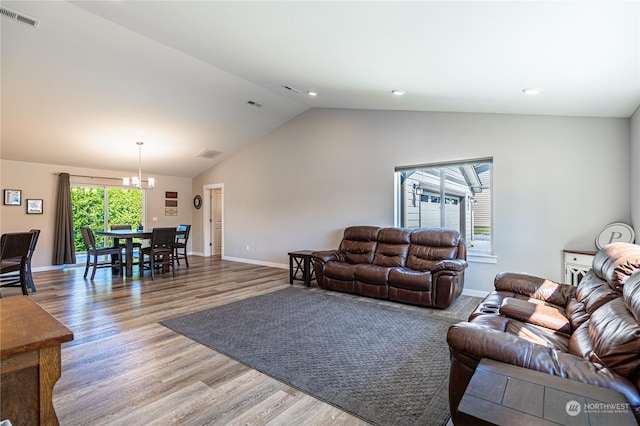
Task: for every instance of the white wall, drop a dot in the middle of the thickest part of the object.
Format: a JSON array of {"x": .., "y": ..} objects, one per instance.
[
  {"x": 557, "y": 182},
  {"x": 41, "y": 181},
  {"x": 635, "y": 173}
]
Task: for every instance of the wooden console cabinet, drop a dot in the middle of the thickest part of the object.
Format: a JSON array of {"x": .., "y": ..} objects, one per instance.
[{"x": 30, "y": 340}]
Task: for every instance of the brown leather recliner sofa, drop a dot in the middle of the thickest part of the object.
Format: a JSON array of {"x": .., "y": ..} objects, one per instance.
[
  {"x": 416, "y": 266},
  {"x": 589, "y": 333}
]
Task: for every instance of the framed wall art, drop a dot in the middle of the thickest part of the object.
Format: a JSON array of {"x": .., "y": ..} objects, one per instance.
[
  {"x": 34, "y": 206},
  {"x": 12, "y": 197}
]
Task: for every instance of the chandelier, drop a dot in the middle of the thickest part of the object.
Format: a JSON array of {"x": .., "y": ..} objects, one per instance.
[{"x": 137, "y": 180}]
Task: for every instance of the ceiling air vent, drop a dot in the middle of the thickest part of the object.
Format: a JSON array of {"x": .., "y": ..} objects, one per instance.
[
  {"x": 254, "y": 104},
  {"x": 291, "y": 89},
  {"x": 20, "y": 17},
  {"x": 207, "y": 153}
]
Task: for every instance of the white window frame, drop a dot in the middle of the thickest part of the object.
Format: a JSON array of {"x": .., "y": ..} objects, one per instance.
[{"x": 477, "y": 250}]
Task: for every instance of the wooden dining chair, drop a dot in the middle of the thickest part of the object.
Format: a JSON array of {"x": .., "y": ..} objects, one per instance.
[
  {"x": 14, "y": 247},
  {"x": 116, "y": 241},
  {"x": 182, "y": 236},
  {"x": 94, "y": 252},
  {"x": 161, "y": 251},
  {"x": 10, "y": 269}
]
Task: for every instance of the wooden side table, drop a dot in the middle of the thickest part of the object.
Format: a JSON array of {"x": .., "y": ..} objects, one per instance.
[
  {"x": 504, "y": 394},
  {"x": 30, "y": 366},
  {"x": 303, "y": 267}
]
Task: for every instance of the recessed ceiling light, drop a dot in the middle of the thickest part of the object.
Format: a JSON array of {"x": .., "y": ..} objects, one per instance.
[
  {"x": 531, "y": 91},
  {"x": 312, "y": 93},
  {"x": 398, "y": 92}
]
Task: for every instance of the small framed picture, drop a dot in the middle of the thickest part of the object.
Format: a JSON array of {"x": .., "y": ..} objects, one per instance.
[
  {"x": 34, "y": 206},
  {"x": 12, "y": 197},
  {"x": 171, "y": 203},
  {"x": 170, "y": 194}
]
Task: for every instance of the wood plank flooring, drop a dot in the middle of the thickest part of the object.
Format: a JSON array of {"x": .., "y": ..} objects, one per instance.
[{"x": 123, "y": 368}]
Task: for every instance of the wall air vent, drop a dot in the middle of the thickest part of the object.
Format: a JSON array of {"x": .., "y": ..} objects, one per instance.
[
  {"x": 207, "y": 153},
  {"x": 20, "y": 17}
]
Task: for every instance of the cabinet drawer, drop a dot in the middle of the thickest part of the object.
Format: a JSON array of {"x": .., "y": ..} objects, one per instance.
[{"x": 579, "y": 259}]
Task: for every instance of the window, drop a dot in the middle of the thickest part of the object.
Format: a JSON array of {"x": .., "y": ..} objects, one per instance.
[
  {"x": 99, "y": 207},
  {"x": 448, "y": 195}
]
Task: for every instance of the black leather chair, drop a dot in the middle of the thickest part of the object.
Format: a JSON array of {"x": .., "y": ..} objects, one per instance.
[
  {"x": 161, "y": 252},
  {"x": 10, "y": 269},
  {"x": 182, "y": 236},
  {"x": 14, "y": 250},
  {"x": 93, "y": 251}
]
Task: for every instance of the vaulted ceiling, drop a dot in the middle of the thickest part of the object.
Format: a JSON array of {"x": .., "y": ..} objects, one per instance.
[{"x": 94, "y": 77}]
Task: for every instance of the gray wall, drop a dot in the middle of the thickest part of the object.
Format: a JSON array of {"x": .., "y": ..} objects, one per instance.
[
  {"x": 635, "y": 172},
  {"x": 557, "y": 182}
]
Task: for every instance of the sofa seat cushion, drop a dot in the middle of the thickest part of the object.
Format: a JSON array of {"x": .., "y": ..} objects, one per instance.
[
  {"x": 529, "y": 332},
  {"x": 371, "y": 274},
  {"x": 493, "y": 301},
  {"x": 342, "y": 271},
  {"x": 409, "y": 279},
  {"x": 544, "y": 315}
]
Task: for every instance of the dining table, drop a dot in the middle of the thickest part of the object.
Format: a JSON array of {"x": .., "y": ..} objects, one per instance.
[{"x": 128, "y": 236}]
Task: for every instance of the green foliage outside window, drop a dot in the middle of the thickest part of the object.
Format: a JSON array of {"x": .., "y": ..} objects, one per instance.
[{"x": 124, "y": 206}]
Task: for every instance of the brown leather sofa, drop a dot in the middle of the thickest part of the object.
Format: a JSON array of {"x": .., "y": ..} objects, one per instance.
[
  {"x": 589, "y": 333},
  {"x": 416, "y": 266}
]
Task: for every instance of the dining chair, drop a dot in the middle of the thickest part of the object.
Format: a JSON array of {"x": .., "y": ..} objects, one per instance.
[
  {"x": 10, "y": 269},
  {"x": 14, "y": 248},
  {"x": 93, "y": 251},
  {"x": 160, "y": 251},
  {"x": 116, "y": 242},
  {"x": 182, "y": 236}
]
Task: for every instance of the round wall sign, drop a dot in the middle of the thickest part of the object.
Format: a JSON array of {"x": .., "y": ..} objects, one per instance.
[
  {"x": 197, "y": 201},
  {"x": 616, "y": 232}
]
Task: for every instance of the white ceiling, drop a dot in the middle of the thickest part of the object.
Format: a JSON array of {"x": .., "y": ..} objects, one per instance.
[{"x": 97, "y": 76}]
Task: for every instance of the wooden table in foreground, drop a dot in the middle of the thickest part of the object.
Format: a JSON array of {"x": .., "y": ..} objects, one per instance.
[
  {"x": 30, "y": 340},
  {"x": 503, "y": 394}
]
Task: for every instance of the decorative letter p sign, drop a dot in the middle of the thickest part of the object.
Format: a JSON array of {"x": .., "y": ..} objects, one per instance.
[{"x": 617, "y": 232}]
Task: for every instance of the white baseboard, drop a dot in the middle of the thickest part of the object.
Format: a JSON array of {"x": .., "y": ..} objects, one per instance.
[
  {"x": 256, "y": 262},
  {"x": 53, "y": 267},
  {"x": 475, "y": 293}
]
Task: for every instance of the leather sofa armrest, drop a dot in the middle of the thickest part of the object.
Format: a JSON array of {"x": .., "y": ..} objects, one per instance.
[
  {"x": 536, "y": 313},
  {"x": 328, "y": 255},
  {"x": 535, "y": 287},
  {"x": 469, "y": 341},
  {"x": 450, "y": 265}
]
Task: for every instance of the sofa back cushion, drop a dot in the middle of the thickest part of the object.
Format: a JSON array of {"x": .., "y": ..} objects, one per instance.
[
  {"x": 359, "y": 243},
  {"x": 593, "y": 292},
  {"x": 429, "y": 246},
  {"x": 615, "y": 333},
  {"x": 393, "y": 246},
  {"x": 616, "y": 262}
]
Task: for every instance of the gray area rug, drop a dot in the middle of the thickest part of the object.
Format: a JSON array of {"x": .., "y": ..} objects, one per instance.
[{"x": 386, "y": 365}]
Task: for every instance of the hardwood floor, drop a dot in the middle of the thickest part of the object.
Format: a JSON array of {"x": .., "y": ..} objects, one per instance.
[{"x": 123, "y": 368}]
